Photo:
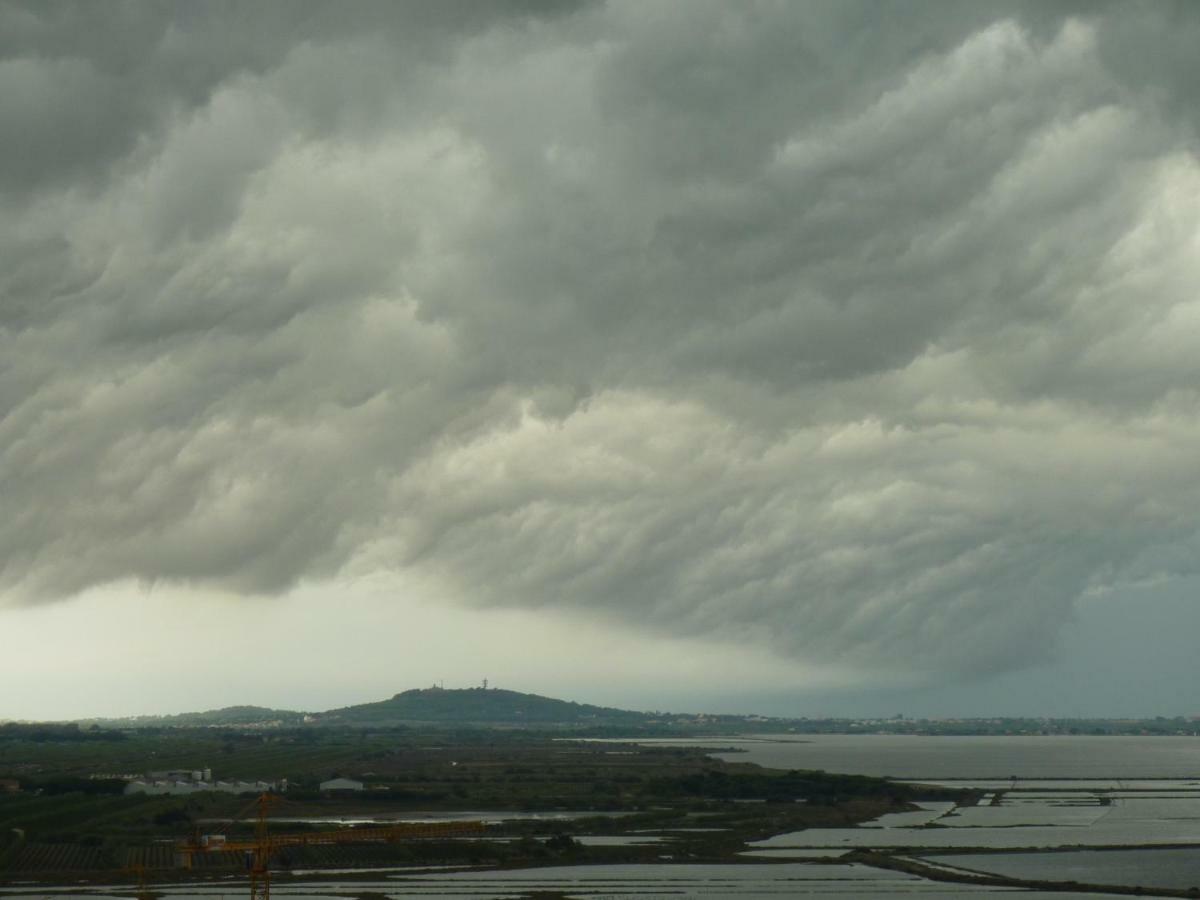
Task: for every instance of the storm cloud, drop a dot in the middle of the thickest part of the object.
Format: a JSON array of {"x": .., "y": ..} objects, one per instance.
[{"x": 861, "y": 332}]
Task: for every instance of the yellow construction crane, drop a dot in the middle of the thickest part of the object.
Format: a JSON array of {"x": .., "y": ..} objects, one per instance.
[
  {"x": 260, "y": 868},
  {"x": 260, "y": 850}
]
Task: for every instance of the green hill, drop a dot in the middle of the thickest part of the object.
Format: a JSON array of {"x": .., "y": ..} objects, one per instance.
[
  {"x": 491, "y": 706},
  {"x": 212, "y": 718}
]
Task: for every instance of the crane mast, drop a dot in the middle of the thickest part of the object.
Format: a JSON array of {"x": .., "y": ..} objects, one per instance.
[{"x": 260, "y": 870}]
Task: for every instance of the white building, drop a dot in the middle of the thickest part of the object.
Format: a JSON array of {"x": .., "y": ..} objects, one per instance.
[
  {"x": 170, "y": 786},
  {"x": 341, "y": 784}
]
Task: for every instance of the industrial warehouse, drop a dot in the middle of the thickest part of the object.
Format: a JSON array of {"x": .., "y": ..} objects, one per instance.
[{"x": 197, "y": 780}]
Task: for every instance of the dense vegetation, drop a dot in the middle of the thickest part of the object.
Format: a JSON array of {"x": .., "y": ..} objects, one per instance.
[
  {"x": 39, "y": 732},
  {"x": 229, "y": 716},
  {"x": 478, "y": 706}
]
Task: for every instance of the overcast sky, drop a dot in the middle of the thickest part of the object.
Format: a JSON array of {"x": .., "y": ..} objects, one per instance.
[{"x": 789, "y": 356}]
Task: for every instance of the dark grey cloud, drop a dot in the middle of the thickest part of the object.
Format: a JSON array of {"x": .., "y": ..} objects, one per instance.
[{"x": 865, "y": 332}]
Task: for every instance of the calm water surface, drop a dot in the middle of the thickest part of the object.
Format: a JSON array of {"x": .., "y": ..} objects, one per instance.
[
  {"x": 637, "y": 882},
  {"x": 1000, "y": 757},
  {"x": 1147, "y": 868}
]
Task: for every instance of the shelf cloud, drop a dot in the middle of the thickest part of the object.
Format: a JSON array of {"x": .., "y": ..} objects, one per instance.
[{"x": 862, "y": 333}]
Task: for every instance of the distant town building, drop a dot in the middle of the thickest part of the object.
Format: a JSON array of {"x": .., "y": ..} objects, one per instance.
[
  {"x": 9, "y": 786},
  {"x": 181, "y": 775},
  {"x": 341, "y": 784},
  {"x": 185, "y": 781},
  {"x": 165, "y": 786}
]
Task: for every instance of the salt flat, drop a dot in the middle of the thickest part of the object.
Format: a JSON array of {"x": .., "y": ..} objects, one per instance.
[
  {"x": 1040, "y": 785},
  {"x": 1169, "y": 868},
  {"x": 929, "y": 812},
  {"x": 1030, "y": 823},
  {"x": 1030, "y": 813}
]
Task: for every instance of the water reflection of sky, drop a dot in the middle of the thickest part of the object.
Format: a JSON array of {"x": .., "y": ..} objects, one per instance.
[
  {"x": 743, "y": 882},
  {"x": 994, "y": 759},
  {"x": 1054, "y": 820},
  {"x": 1169, "y": 868}
]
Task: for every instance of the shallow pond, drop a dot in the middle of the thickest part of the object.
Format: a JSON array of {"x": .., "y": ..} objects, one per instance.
[
  {"x": 998, "y": 758},
  {"x": 637, "y": 882},
  {"x": 1170, "y": 868}
]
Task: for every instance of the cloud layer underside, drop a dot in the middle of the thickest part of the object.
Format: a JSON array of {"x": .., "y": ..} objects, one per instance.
[{"x": 864, "y": 332}]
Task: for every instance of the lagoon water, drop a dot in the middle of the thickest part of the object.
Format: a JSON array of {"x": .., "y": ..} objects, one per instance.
[
  {"x": 986, "y": 757},
  {"x": 1169, "y": 868},
  {"x": 615, "y": 882}
]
